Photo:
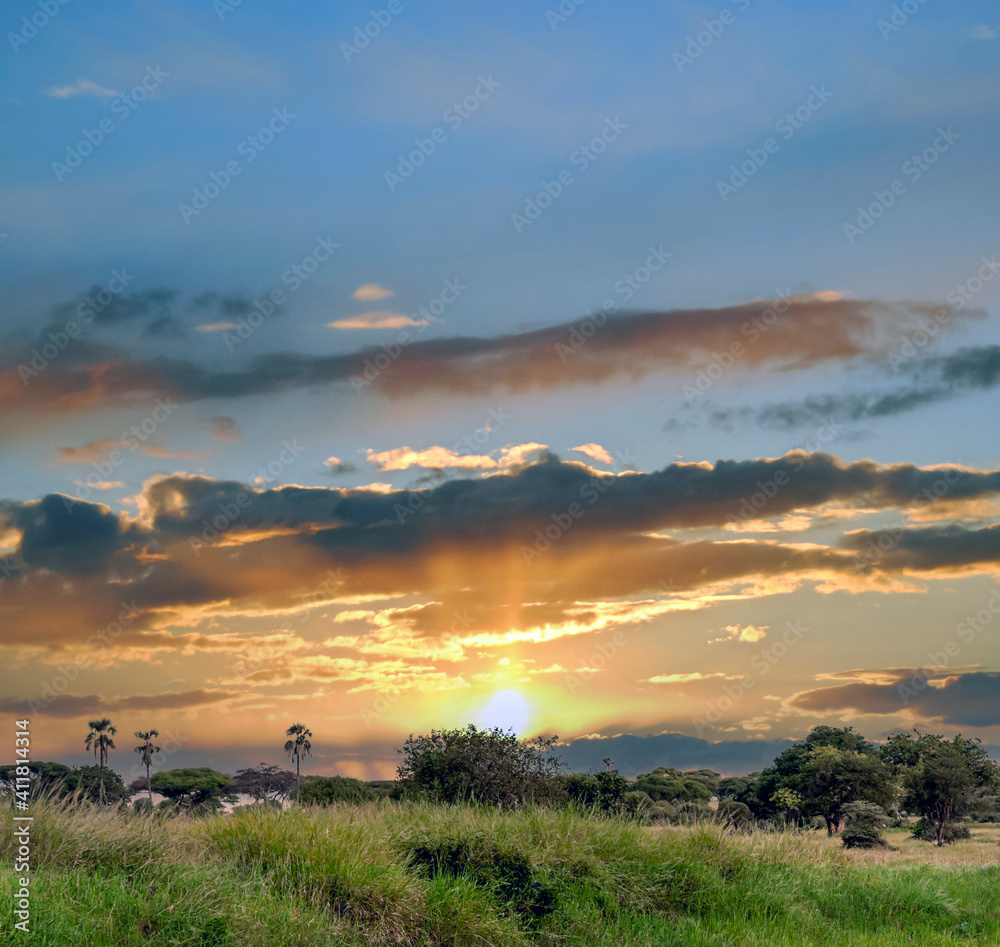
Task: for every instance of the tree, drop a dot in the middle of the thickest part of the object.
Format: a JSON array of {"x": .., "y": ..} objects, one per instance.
[
  {"x": 195, "y": 790},
  {"x": 296, "y": 748},
  {"x": 94, "y": 785},
  {"x": 100, "y": 739},
  {"x": 265, "y": 783},
  {"x": 830, "y": 768},
  {"x": 146, "y": 749},
  {"x": 945, "y": 781},
  {"x": 491, "y": 766}
]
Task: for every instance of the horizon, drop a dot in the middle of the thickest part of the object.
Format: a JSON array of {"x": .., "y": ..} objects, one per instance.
[{"x": 620, "y": 374}]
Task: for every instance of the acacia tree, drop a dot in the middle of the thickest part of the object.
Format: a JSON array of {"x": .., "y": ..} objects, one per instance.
[
  {"x": 296, "y": 748},
  {"x": 265, "y": 783},
  {"x": 100, "y": 740},
  {"x": 198, "y": 789},
  {"x": 832, "y": 778},
  {"x": 146, "y": 749}
]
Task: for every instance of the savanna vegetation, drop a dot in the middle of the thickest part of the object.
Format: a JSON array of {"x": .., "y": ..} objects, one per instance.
[{"x": 484, "y": 839}]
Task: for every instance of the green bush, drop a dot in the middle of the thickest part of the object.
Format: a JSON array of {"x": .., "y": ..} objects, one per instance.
[
  {"x": 865, "y": 823},
  {"x": 735, "y": 814},
  {"x": 953, "y": 831}
]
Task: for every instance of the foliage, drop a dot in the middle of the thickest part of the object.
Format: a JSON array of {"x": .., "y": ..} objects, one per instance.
[
  {"x": 298, "y": 747},
  {"x": 865, "y": 825},
  {"x": 671, "y": 785},
  {"x": 505, "y": 872},
  {"x": 734, "y": 814},
  {"x": 489, "y": 766},
  {"x": 945, "y": 781},
  {"x": 265, "y": 783},
  {"x": 100, "y": 740},
  {"x": 324, "y": 790},
  {"x": 194, "y": 789}
]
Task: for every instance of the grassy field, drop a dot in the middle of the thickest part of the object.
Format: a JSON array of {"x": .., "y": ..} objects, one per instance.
[{"x": 412, "y": 874}]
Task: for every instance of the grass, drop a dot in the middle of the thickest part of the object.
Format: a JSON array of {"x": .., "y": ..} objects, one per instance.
[{"x": 383, "y": 874}]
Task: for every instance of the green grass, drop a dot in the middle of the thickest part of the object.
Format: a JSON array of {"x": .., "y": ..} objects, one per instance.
[{"x": 408, "y": 874}]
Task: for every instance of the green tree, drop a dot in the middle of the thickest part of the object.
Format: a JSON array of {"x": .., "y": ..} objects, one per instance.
[
  {"x": 146, "y": 749},
  {"x": 830, "y": 778},
  {"x": 100, "y": 740},
  {"x": 195, "y": 790},
  {"x": 865, "y": 823},
  {"x": 946, "y": 780},
  {"x": 296, "y": 748},
  {"x": 491, "y": 766},
  {"x": 94, "y": 785}
]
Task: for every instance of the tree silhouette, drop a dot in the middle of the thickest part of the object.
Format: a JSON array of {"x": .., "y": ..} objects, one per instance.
[
  {"x": 296, "y": 748},
  {"x": 146, "y": 749},
  {"x": 100, "y": 740}
]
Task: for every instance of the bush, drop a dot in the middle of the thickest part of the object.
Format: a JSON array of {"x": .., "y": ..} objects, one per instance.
[
  {"x": 865, "y": 823},
  {"x": 952, "y": 832},
  {"x": 325, "y": 790},
  {"x": 735, "y": 814},
  {"x": 506, "y": 874},
  {"x": 661, "y": 812}
]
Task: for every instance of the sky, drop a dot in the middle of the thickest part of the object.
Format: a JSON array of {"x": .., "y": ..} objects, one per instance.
[{"x": 619, "y": 372}]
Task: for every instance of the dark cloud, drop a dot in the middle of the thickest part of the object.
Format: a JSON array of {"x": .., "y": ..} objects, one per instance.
[
  {"x": 936, "y": 379},
  {"x": 624, "y": 347},
  {"x": 70, "y": 705},
  {"x": 963, "y": 700}
]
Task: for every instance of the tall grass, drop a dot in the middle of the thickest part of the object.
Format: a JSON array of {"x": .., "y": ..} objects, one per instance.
[{"x": 412, "y": 874}]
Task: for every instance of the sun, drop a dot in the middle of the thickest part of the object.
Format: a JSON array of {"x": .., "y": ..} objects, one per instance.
[{"x": 508, "y": 710}]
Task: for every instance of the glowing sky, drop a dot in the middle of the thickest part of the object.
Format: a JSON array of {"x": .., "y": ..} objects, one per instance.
[{"x": 608, "y": 371}]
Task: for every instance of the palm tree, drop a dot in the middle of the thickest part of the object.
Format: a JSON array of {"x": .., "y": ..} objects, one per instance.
[
  {"x": 298, "y": 748},
  {"x": 146, "y": 751},
  {"x": 100, "y": 740}
]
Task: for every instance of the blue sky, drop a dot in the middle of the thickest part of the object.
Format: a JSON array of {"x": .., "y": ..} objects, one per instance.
[{"x": 310, "y": 131}]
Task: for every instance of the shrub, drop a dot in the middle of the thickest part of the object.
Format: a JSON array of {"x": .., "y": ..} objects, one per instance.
[
  {"x": 735, "y": 814},
  {"x": 950, "y": 832},
  {"x": 865, "y": 823},
  {"x": 504, "y": 872}
]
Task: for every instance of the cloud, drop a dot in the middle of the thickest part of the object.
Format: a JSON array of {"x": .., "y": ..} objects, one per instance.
[
  {"x": 441, "y": 458},
  {"x": 750, "y": 634},
  {"x": 80, "y": 87},
  {"x": 939, "y": 379},
  {"x": 624, "y": 348},
  {"x": 338, "y": 466},
  {"x": 372, "y": 291},
  {"x": 223, "y": 428},
  {"x": 98, "y": 451},
  {"x": 983, "y": 32},
  {"x": 216, "y": 327},
  {"x": 101, "y": 484},
  {"x": 960, "y": 699},
  {"x": 685, "y": 678},
  {"x": 377, "y": 320},
  {"x": 596, "y": 452},
  {"x": 69, "y": 705}
]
